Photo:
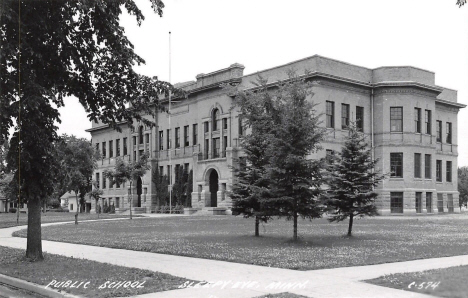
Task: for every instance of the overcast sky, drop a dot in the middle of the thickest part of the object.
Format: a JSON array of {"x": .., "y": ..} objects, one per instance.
[{"x": 208, "y": 35}]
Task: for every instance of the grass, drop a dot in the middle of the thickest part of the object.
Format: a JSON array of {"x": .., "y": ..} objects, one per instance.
[
  {"x": 321, "y": 245},
  {"x": 9, "y": 219},
  {"x": 55, "y": 267},
  {"x": 282, "y": 295},
  {"x": 448, "y": 282}
]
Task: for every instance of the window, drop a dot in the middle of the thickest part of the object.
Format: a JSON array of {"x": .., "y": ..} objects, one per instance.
[
  {"x": 206, "y": 124},
  {"x": 195, "y": 134},
  {"x": 161, "y": 172},
  {"x": 330, "y": 111},
  {"x": 98, "y": 181},
  {"x": 104, "y": 153},
  {"x": 71, "y": 206},
  {"x": 396, "y": 202},
  {"x": 161, "y": 140},
  {"x": 344, "y": 116},
  {"x": 439, "y": 131},
  {"x": 186, "y": 136},
  {"x": 439, "y": 170},
  {"x": 417, "y": 165},
  {"x": 450, "y": 203},
  {"x": 360, "y": 118},
  {"x": 134, "y": 155},
  {"x": 104, "y": 180},
  {"x": 168, "y": 139},
  {"x": 417, "y": 120},
  {"x": 216, "y": 146},
  {"x": 134, "y": 141},
  {"x": 177, "y": 137},
  {"x": 177, "y": 172},
  {"x": 117, "y": 147},
  {"x": 140, "y": 134},
  {"x": 225, "y": 144},
  {"x": 329, "y": 155},
  {"x": 396, "y": 165},
  {"x": 241, "y": 126},
  {"x": 448, "y": 171},
  {"x": 147, "y": 136},
  {"x": 207, "y": 148},
  {"x": 215, "y": 120},
  {"x": 427, "y": 166},
  {"x": 396, "y": 119},
  {"x": 428, "y": 121},
  {"x": 169, "y": 174},
  {"x": 117, "y": 202},
  {"x": 418, "y": 202},
  {"x": 97, "y": 147},
  {"x": 440, "y": 202},
  {"x": 186, "y": 168},
  {"x": 111, "y": 149},
  {"x": 225, "y": 123},
  {"x": 449, "y": 133},
  {"x": 125, "y": 146},
  {"x": 429, "y": 202}
]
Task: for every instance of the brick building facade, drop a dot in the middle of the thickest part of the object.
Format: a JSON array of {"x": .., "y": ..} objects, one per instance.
[{"x": 411, "y": 122}]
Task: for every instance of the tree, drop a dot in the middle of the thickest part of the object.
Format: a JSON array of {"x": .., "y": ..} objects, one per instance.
[
  {"x": 460, "y": 3},
  {"x": 130, "y": 172},
  {"x": 67, "y": 48},
  {"x": 351, "y": 180},
  {"x": 277, "y": 178},
  {"x": 295, "y": 180},
  {"x": 188, "y": 198},
  {"x": 463, "y": 186},
  {"x": 79, "y": 162},
  {"x": 180, "y": 187},
  {"x": 161, "y": 183},
  {"x": 96, "y": 194},
  {"x": 249, "y": 194}
]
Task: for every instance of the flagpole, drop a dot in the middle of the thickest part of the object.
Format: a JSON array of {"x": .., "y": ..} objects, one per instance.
[{"x": 169, "y": 132}]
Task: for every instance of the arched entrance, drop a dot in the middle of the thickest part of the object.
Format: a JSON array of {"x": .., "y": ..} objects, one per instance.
[
  {"x": 139, "y": 191},
  {"x": 214, "y": 181}
]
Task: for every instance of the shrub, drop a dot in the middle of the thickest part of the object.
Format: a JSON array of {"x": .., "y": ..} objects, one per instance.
[
  {"x": 112, "y": 209},
  {"x": 98, "y": 208}
]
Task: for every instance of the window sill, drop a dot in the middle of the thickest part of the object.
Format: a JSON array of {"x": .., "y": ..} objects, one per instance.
[{"x": 397, "y": 179}]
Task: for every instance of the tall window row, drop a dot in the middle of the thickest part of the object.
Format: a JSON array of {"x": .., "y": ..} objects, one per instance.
[
  {"x": 107, "y": 148},
  {"x": 397, "y": 202},
  {"x": 345, "y": 116}
]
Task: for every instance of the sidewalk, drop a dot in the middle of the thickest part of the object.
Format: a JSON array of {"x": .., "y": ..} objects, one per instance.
[{"x": 243, "y": 280}]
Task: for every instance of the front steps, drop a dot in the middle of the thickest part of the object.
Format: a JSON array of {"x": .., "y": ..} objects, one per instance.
[{"x": 206, "y": 211}]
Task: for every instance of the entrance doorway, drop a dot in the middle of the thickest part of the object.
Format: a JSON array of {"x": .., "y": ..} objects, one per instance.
[
  {"x": 214, "y": 181},
  {"x": 139, "y": 191}
]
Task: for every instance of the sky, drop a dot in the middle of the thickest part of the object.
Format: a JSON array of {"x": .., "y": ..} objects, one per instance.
[{"x": 208, "y": 35}]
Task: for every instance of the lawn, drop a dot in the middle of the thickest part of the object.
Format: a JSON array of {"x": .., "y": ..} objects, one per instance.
[
  {"x": 321, "y": 245},
  {"x": 9, "y": 219},
  {"x": 62, "y": 269},
  {"x": 448, "y": 282}
]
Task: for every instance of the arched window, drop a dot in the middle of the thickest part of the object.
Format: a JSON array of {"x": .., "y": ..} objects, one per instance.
[
  {"x": 215, "y": 120},
  {"x": 140, "y": 134}
]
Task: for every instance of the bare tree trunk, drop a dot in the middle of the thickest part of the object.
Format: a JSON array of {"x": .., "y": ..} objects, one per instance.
[
  {"x": 131, "y": 200},
  {"x": 17, "y": 211},
  {"x": 295, "y": 226},
  {"x": 77, "y": 208},
  {"x": 34, "y": 243},
  {"x": 350, "y": 227},
  {"x": 257, "y": 223}
]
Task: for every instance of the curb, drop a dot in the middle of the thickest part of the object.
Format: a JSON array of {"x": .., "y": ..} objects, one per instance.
[{"x": 32, "y": 287}]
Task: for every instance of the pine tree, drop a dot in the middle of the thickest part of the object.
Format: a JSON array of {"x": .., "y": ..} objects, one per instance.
[
  {"x": 295, "y": 180},
  {"x": 250, "y": 192},
  {"x": 351, "y": 180},
  {"x": 161, "y": 183}
]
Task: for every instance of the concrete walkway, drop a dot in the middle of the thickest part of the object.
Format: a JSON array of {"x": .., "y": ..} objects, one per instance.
[{"x": 242, "y": 280}]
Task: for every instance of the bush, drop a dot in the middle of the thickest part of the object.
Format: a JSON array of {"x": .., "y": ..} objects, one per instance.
[
  {"x": 105, "y": 209},
  {"x": 98, "y": 208},
  {"x": 112, "y": 209},
  {"x": 12, "y": 210}
]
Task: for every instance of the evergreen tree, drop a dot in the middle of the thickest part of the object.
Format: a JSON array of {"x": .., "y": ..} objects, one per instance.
[
  {"x": 188, "y": 202},
  {"x": 249, "y": 194},
  {"x": 161, "y": 183},
  {"x": 294, "y": 179},
  {"x": 351, "y": 180},
  {"x": 463, "y": 186}
]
